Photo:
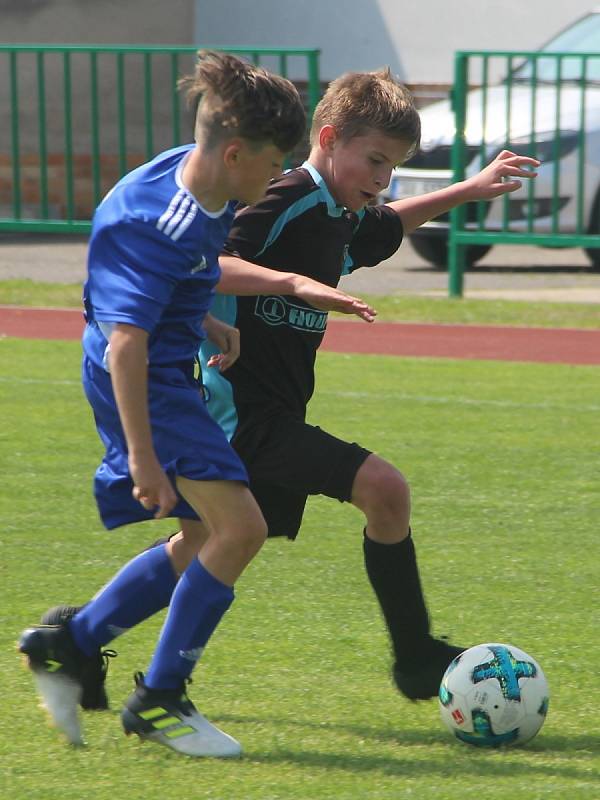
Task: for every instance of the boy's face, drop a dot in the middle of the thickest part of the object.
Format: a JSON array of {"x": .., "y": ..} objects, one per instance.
[
  {"x": 254, "y": 168},
  {"x": 361, "y": 167}
]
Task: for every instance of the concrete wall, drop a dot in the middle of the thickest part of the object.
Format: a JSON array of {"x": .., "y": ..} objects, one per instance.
[
  {"x": 97, "y": 21},
  {"x": 85, "y": 22},
  {"x": 417, "y": 39}
]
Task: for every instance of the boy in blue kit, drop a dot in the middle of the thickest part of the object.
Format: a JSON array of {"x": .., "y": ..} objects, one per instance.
[{"x": 152, "y": 269}]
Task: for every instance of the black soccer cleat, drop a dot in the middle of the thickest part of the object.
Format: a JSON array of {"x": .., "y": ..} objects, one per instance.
[
  {"x": 421, "y": 680},
  {"x": 58, "y": 667},
  {"x": 93, "y": 696},
  {"x": 168, "y": 717}
]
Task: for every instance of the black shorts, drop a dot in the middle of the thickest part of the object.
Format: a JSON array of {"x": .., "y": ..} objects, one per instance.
[{"x": 287, "y": 460}]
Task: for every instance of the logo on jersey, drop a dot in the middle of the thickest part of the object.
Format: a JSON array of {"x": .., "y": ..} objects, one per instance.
[
  {"x": 276, "y": 310},
  {"x": 199, "y": 266}
]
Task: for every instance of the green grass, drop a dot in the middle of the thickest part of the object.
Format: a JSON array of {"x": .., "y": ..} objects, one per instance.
[
  {"x": 503, "y": 463},
  {"x": 32, "y": 293},
  {"x": 390, "y": 308}
]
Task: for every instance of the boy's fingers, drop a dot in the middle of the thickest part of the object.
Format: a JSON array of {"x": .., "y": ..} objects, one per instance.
[
  {"x": 360, "y": 309},
  {"x": 222, "y": 361},
  {"x": 145, "y": 497},
  {"x": 162, "y": 500}
]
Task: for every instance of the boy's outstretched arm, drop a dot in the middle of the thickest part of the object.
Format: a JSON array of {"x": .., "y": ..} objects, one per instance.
[
  {"x": 245, "y": 278},
  {"x": 499, "y": 177}
]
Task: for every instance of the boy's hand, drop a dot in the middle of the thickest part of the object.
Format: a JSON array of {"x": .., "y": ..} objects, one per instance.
[
  {"x": 326, "y": 298},
  {"x": 500, "y": 176},
  {"x": 226, "y": 338},
  {"x": 152, "y": 488}
]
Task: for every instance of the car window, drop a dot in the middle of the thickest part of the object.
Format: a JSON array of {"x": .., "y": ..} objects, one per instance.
[{"x": 582, "y": 37}]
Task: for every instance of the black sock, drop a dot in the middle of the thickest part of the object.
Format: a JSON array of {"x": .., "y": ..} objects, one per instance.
[{"x": 394, "y": 576}]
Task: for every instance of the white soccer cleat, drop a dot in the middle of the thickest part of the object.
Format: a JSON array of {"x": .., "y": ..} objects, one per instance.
[{"x": 168, "y": 717}]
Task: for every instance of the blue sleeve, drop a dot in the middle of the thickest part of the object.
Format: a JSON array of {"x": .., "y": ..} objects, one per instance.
[{"x": 133, "y": 271}]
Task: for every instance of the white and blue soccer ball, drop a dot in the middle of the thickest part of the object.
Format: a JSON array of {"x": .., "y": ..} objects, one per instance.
[{"x": 494, "y": 695}]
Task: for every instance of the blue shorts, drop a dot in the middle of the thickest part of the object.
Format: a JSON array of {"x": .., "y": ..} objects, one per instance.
[{"x": 188, "y": 442}]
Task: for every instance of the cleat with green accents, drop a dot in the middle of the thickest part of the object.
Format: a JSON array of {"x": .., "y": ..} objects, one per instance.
[
  {"x": 93, "y": 697},
  {"x": 168, "y": 717},
  {"x": 57, "y": 665}
]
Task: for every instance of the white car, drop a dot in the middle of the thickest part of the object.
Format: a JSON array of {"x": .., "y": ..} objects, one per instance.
[{"x": 554, "y": 132}]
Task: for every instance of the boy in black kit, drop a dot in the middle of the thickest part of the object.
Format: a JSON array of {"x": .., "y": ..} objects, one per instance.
[{"x": 317, "y": 220}]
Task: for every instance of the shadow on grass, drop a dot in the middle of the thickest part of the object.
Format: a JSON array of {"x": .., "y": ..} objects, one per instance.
[{"x": 482, "y": 762}]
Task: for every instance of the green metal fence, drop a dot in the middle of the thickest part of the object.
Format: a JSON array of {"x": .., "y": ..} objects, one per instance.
[
  {"x": 542, "y": 104},
  {"x": 76, "y": 118}
]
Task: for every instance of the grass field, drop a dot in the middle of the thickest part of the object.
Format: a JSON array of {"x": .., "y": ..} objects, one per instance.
[
  {"x": 394, "y": 307},
  {"x": 503, "y": 463}
]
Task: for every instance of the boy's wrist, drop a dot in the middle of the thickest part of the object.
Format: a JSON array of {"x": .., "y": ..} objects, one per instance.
[
  {"x": 292, "y": 283},
  {"x": 141, "y": 452}
]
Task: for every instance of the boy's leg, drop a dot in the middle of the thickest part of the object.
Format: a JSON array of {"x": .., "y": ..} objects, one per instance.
[
  {"x": 72, "y": 644},
  {"x": 383, "y": 495},
  {"x": 323, "y": 464},
  {"x": 159, "y": 709}
]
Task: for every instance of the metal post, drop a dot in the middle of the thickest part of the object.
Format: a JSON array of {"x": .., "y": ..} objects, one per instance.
[{"x": 456, "y": 256}]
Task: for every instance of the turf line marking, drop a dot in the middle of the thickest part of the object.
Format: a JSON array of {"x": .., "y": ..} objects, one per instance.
[
  {"x": 459, "y": 401},
  {"x": 412, "y": 398},
  {"x": 46, "y": 382}
]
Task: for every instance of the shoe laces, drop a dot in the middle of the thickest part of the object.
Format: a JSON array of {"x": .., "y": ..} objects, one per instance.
[{"x": 105, "y": 657}]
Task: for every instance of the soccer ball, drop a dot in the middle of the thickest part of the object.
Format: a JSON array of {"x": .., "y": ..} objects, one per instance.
[{"x": 494, "y": 695}]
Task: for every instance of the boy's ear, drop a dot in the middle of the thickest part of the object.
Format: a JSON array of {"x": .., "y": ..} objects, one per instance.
[
  {"x": 232, "y": 152},
  {"x": 327, "y": 137}
]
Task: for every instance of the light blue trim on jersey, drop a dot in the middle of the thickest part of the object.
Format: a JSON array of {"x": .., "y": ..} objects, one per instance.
[
  {"x": 348, "y": 263},
  {"x": 303, "y": 204},
  {"x": 333, "y": 209},
  {"x": 220, "y": 402}
]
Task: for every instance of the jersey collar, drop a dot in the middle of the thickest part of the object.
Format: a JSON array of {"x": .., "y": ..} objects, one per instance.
[
  {"x": 332, "y": 207},
  {"x": 179, "y": 181}
]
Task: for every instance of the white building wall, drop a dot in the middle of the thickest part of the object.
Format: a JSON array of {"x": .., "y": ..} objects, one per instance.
[{"x": 416, "y": 39}]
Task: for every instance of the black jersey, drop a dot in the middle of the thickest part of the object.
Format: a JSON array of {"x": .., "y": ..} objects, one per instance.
[{"x": 296, "y": 227}]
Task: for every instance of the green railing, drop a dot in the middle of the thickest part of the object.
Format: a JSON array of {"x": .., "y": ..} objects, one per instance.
[
  {"x": 76, "y": 118},
  {"x": 538, "y": 104}
]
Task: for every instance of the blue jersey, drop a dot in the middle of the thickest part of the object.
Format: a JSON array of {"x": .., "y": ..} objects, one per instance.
[{"x": 153, "y": 262}]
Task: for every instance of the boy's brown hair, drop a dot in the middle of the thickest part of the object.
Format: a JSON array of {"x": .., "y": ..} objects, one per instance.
[
  {"x": 236, "y": 98},
  {"x": 359, "y": 102}
]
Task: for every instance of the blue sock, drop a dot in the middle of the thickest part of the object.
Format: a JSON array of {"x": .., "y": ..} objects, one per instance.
[
  {"x": 138, "y": 591},
  {"x": 197, "y": 605}
]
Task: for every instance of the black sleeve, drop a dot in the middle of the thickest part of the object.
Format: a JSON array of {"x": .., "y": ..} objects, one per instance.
[
  {"x": 376, "y": 238},
  {"x": 255, "y": 227}
]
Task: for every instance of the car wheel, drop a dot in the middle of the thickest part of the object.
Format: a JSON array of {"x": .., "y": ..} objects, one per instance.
[
  {"x": 435, "y": 250},
  {"x": 592, "y": 253},
  {"x": 594, "y": 257}
]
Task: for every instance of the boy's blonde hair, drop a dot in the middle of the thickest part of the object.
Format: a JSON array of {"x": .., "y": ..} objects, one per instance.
[
  {"x": 359, "y": 102},
  {"x": 235, "y": 98}
]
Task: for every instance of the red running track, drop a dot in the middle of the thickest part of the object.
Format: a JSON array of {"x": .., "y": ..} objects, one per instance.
[{"x": 545, "y": 345}]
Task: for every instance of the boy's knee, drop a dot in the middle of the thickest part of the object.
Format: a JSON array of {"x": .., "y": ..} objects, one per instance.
[
  {"x": 249, "y": 536},
  {"x": 379, "y": 484}
]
